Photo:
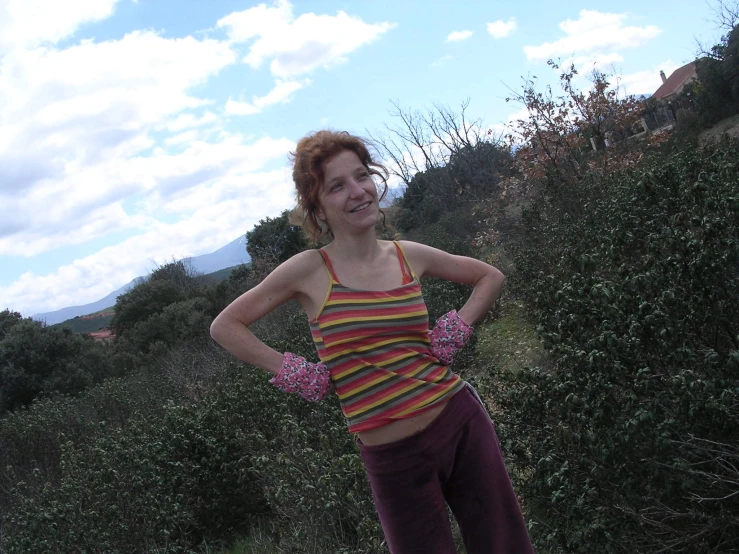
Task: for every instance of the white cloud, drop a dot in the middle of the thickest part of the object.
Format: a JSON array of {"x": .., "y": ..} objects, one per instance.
[
  {"x": 646, "y": 82},
  {"x": 599, "y": 59},
  {"x": 457, "y": 36},
  {"x": 594, "y": 32},
  {"x": 241, "y": 201},
  {"x": 116, "y": 136},
  {"x": 29, "y": 23},
  {"x": 440, "y": 61},
  {"x": 88, "y": 111},
  {"x": 502, "y": 29},
  {"x": 298, "y": 46},
  {"x": 188, "y": 121},
  {"x": 280, "y": 94},
  {"x": 87, "y": 203}
]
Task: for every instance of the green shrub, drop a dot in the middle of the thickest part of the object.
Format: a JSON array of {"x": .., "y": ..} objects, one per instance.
[
  {"x": 171, "y": 478},
  {"x": 315, "y": 482},
  {"x": 637, "y": 299},
  {"x": 36, "y": 360}
]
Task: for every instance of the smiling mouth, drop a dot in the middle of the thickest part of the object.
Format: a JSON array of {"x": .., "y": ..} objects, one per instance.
[{"x": 361, "y": 207}]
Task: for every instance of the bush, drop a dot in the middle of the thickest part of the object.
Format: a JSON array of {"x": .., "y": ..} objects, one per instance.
[
  {"x": 638, "y": 300},
  {"x": 30, "y": 438},
  {"x": 184, "y": 471},
  {"x": 38, "y": 360},
  {"x": 172, "y": 480}
]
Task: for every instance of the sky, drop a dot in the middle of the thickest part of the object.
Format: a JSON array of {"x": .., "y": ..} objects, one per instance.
[{"x": 134, "y": 132}]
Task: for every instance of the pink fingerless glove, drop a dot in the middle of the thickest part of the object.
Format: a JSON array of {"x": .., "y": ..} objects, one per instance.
[
  {"x": 310, "y": 380},
  {"x": 448, "y": 336}
]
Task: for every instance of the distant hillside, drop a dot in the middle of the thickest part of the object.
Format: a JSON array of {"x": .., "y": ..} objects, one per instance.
[
  {"x": 64, "y": 314},
  {"x": 222, "y": 274},
  {"x": 233, "y": 254},
  {"x": 99, "y": 320},
  {"x": 87, "y": 324}
]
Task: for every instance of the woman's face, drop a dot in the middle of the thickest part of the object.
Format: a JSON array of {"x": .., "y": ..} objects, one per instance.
[{"x": 348, "y": 197}]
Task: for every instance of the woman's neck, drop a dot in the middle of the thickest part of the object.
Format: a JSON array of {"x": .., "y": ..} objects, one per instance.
[{"x": 356, "y": 248}]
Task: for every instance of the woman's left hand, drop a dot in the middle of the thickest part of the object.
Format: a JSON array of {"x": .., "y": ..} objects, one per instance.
[{"x": 449, "y": 336}]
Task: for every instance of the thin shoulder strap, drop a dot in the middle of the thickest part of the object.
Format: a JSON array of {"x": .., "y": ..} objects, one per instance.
[
  {"x": 329, "y": 267},
  {"x": 403, "y": 262}
]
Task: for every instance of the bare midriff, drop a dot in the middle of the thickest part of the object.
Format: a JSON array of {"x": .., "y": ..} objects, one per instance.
[{"x": 401, "y": 428}]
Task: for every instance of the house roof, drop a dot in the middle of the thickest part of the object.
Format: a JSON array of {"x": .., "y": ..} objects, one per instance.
[{"x": 676, "y": 80}]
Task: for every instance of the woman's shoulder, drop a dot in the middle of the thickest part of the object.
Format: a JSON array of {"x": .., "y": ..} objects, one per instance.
[
  {"x": 305, "y": 261},
  {"x": 424, "y": 259},
  {"x": 414, "y": 249},
  {"x": 405, "y": 244},
  {"x": 298, "y": 274}
]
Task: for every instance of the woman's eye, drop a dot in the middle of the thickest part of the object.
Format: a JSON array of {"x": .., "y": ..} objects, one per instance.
[{"x": 335, "y": 186}]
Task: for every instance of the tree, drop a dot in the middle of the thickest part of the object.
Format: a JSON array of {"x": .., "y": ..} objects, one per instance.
[
  {"x": 558, "y": 138},
  {"x": 274, "y": 240},
  {"x": 179, "y": 273},
  {"x": 183, "y": 322},
  {"x": 446, "y": 161},
  {"x": 141, "y": 302},
  {"x": 717, "y": 89},
  {"x": 35, "y": 359},
  {"x": 7, "y": 320},
  {"x": 170, "y": 283}
]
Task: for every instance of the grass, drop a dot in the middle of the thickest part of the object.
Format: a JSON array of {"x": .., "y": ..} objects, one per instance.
[{"x": 510, "y": 343}]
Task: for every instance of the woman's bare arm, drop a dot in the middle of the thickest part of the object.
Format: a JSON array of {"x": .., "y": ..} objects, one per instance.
[
  {"x": 486, "y": 280},
  {"x": 230, "y": 328}
]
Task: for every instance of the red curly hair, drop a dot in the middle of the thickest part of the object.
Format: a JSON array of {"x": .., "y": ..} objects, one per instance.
[{"x": 309, "y": 158}]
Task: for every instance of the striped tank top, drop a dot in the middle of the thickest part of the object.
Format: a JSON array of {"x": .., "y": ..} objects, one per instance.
[{"x": 376, "y": 347}]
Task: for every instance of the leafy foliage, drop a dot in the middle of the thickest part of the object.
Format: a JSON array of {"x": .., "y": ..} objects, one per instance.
[
  {"x": 168, "y": 284},
  {"x": 717, "y": 89},
  {"x": 8, "y": 319},
  {"x": 557, "y": 139},
  {"x": 274, "y": 240},
  {"x": 638, "y": 302},
  {"x": 36, "y": 360},
  {"x": 180, "y": 473},
  {"x": 624, "y": 440}
]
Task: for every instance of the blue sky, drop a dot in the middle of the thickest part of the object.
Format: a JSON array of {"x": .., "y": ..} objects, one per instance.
[{"x": 132, "y": 132}]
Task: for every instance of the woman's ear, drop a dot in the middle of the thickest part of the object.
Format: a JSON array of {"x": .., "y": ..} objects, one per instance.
[{"x": 320, "y": 215}]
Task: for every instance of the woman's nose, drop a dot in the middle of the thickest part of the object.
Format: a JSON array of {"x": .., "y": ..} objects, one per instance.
[{"x": 355, "y": 189}]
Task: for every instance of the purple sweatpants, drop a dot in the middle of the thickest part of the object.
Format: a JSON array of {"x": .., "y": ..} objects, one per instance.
[{"x": 455, "y": 460}]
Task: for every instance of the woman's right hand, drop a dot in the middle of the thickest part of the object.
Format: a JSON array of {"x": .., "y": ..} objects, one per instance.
[{"x": 307, "y": 379}]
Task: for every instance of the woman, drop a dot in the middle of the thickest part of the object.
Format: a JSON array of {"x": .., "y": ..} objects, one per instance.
[{"x": 424, "y": 437}]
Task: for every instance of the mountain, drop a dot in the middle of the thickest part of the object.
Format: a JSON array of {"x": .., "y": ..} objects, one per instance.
[
  {"x": 234, "y": 253},
  {"x": 52, "y": 318}
]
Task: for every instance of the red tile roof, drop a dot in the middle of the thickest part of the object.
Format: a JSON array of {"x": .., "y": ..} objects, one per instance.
[{"x": 676, "y": 80}]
